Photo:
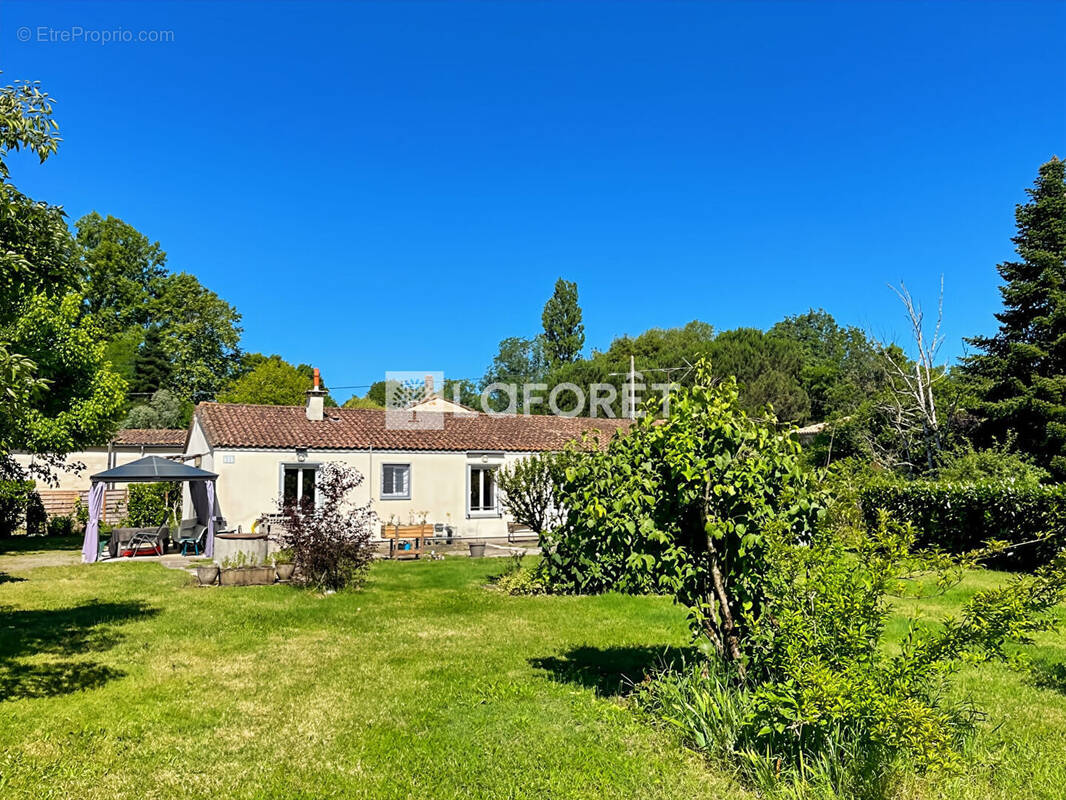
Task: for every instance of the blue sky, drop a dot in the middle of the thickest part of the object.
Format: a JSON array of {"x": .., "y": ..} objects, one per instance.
[{"x": 398, "y": 185}]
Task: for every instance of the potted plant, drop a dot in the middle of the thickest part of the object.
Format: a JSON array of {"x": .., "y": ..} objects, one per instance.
[
  {"x": 207, "y": 574},
  {"x": 284, "y": 563},
  {"x": 242, "y": 569}
]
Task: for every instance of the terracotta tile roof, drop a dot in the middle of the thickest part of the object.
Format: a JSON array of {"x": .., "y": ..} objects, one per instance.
[
  {"x": 227, "y": 425},
  {"x": 151, "y": 437}
]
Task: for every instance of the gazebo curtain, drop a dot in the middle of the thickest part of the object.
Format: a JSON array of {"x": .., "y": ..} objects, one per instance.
[
  {"x": 203, "y": 501},
  {"x": 90, "y": 549}
]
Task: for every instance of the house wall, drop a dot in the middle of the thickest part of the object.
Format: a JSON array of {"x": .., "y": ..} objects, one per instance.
[
  {"x": 249, "y": 484},
  {"x": 96, "y": 460}
]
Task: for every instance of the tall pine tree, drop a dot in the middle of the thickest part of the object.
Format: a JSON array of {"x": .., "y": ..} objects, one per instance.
[
  {"x": 564, "y": 335},
  {"x": 151, "y": 367},
  {"x": 1023, "y": 367}
]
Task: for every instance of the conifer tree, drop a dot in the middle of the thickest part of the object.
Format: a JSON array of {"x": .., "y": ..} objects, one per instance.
[{"x": 1023, "y": 367}]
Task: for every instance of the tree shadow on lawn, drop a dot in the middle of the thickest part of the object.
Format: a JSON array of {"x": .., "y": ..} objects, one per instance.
[
  {"x": 1046, "y": 675},
  {"x": 612, "y": 671},
  {"x": 60, "y": 632},
  {"x": 5, "y": 578},
  {"x": 30, "y": 544}
]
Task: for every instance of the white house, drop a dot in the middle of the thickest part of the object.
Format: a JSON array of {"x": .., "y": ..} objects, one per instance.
[{"x": 444, "y": 472}]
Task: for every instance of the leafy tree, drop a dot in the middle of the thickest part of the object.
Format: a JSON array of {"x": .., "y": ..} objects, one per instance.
[
  {"x": 273, "y": 382},
  {"x": 122, "y": 350},
  {"x": 377, "y": 394},
  {"x": 564, "y": 335},
  {"x": 124, "y": 271},
  {"x": 200, "y": 333},
  {"x": 682, "y": 505},
  {"x": 462, "y": 391},
  {"x": 1023, "y": 366},
  {"x": 164, "y": 330},
  {"x": 81, "y": 399},
  {"x": 151, "y": 368},
  {"x": 164, "y": 410},
  {"x": 517, "y": 362},
  {"x": 37, "y": 252},
  {"x": 766, "y": 367},
  {"x": 840, "y": 367},
  {"x": 153, "y": 504},
  {"x": 661, "y": 356},
  {"x": 361, "y": 402}
]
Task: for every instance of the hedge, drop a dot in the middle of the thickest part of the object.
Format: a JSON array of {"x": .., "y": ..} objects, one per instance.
[{"x": 960, "y": 517}]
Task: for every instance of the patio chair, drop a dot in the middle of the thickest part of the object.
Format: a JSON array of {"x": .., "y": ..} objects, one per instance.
[
  {"x": 147, "y": 537},
  {"x": 191, "y": 536}
]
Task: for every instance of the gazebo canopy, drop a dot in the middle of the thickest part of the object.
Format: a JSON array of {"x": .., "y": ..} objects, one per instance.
[{"x": 152, "y": 469}]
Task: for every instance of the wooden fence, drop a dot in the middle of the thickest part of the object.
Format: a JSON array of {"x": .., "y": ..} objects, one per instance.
[{"x": 61, "y": 502}]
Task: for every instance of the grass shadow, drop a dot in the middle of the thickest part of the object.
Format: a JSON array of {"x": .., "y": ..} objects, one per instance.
[
  {"x": 5, "y": 578},
  {"x": 612, "y": 671},
  {"x": 63, "y": 632},
  {"x": 1046, "y": 675},
  {"x": 35, "y": 544}
]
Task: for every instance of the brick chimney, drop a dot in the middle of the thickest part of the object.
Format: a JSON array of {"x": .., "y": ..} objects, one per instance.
[
  {"x": 316, "y": 400},
  {"x": 429, "y": 386}
]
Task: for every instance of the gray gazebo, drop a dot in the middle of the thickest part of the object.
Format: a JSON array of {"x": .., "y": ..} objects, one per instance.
[{"x": 152, "y": 469}]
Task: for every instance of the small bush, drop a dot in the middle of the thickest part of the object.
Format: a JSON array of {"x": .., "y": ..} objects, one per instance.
[
  {"x": 330, "y": 541},
  {"x": 962, "y": 517},
  {"x": 529, "y": 490},
  {"x": 60, "y": 526},
  {"x": 969, "y": 466},
  {"x": 80, "y": 513},
  {"x": 14, "y": 494},
  {"x": 522, "y": 581},
  {"x": 283, "y": 556},
  {"x": 36, "y": 516}
]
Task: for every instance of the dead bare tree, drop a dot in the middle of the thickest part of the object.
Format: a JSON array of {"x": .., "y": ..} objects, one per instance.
[{"x": 911, "y": 409}]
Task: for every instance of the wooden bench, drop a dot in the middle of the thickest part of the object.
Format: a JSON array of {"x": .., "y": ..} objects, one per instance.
[{"x": 406, "y": 541}]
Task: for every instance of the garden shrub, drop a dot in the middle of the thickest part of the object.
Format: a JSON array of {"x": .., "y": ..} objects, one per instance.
[
  {"x": 962, "y": 517},
  {"x": 150, "y": 505},
  {"x": 330, "y": 541},
  {"x": 680, "y": 505},
  {"x": 967, "y": 465},
  {"x": 14, "y": 494},
  {"x": 529, "y": 489},
  {"x": 825, "y": 708},
  {"x": 36, "y": 517},
  {"x": 60, "y": 526}
]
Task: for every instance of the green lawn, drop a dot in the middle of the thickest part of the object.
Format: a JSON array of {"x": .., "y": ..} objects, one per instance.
[{"x": 124, "y": 680}]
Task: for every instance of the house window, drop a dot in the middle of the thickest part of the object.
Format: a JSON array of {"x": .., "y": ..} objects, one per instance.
[
  {"x": 395, "y": 481},
  {"x": 299, "y": 483},
  {"x": 482, "y": 490}
]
